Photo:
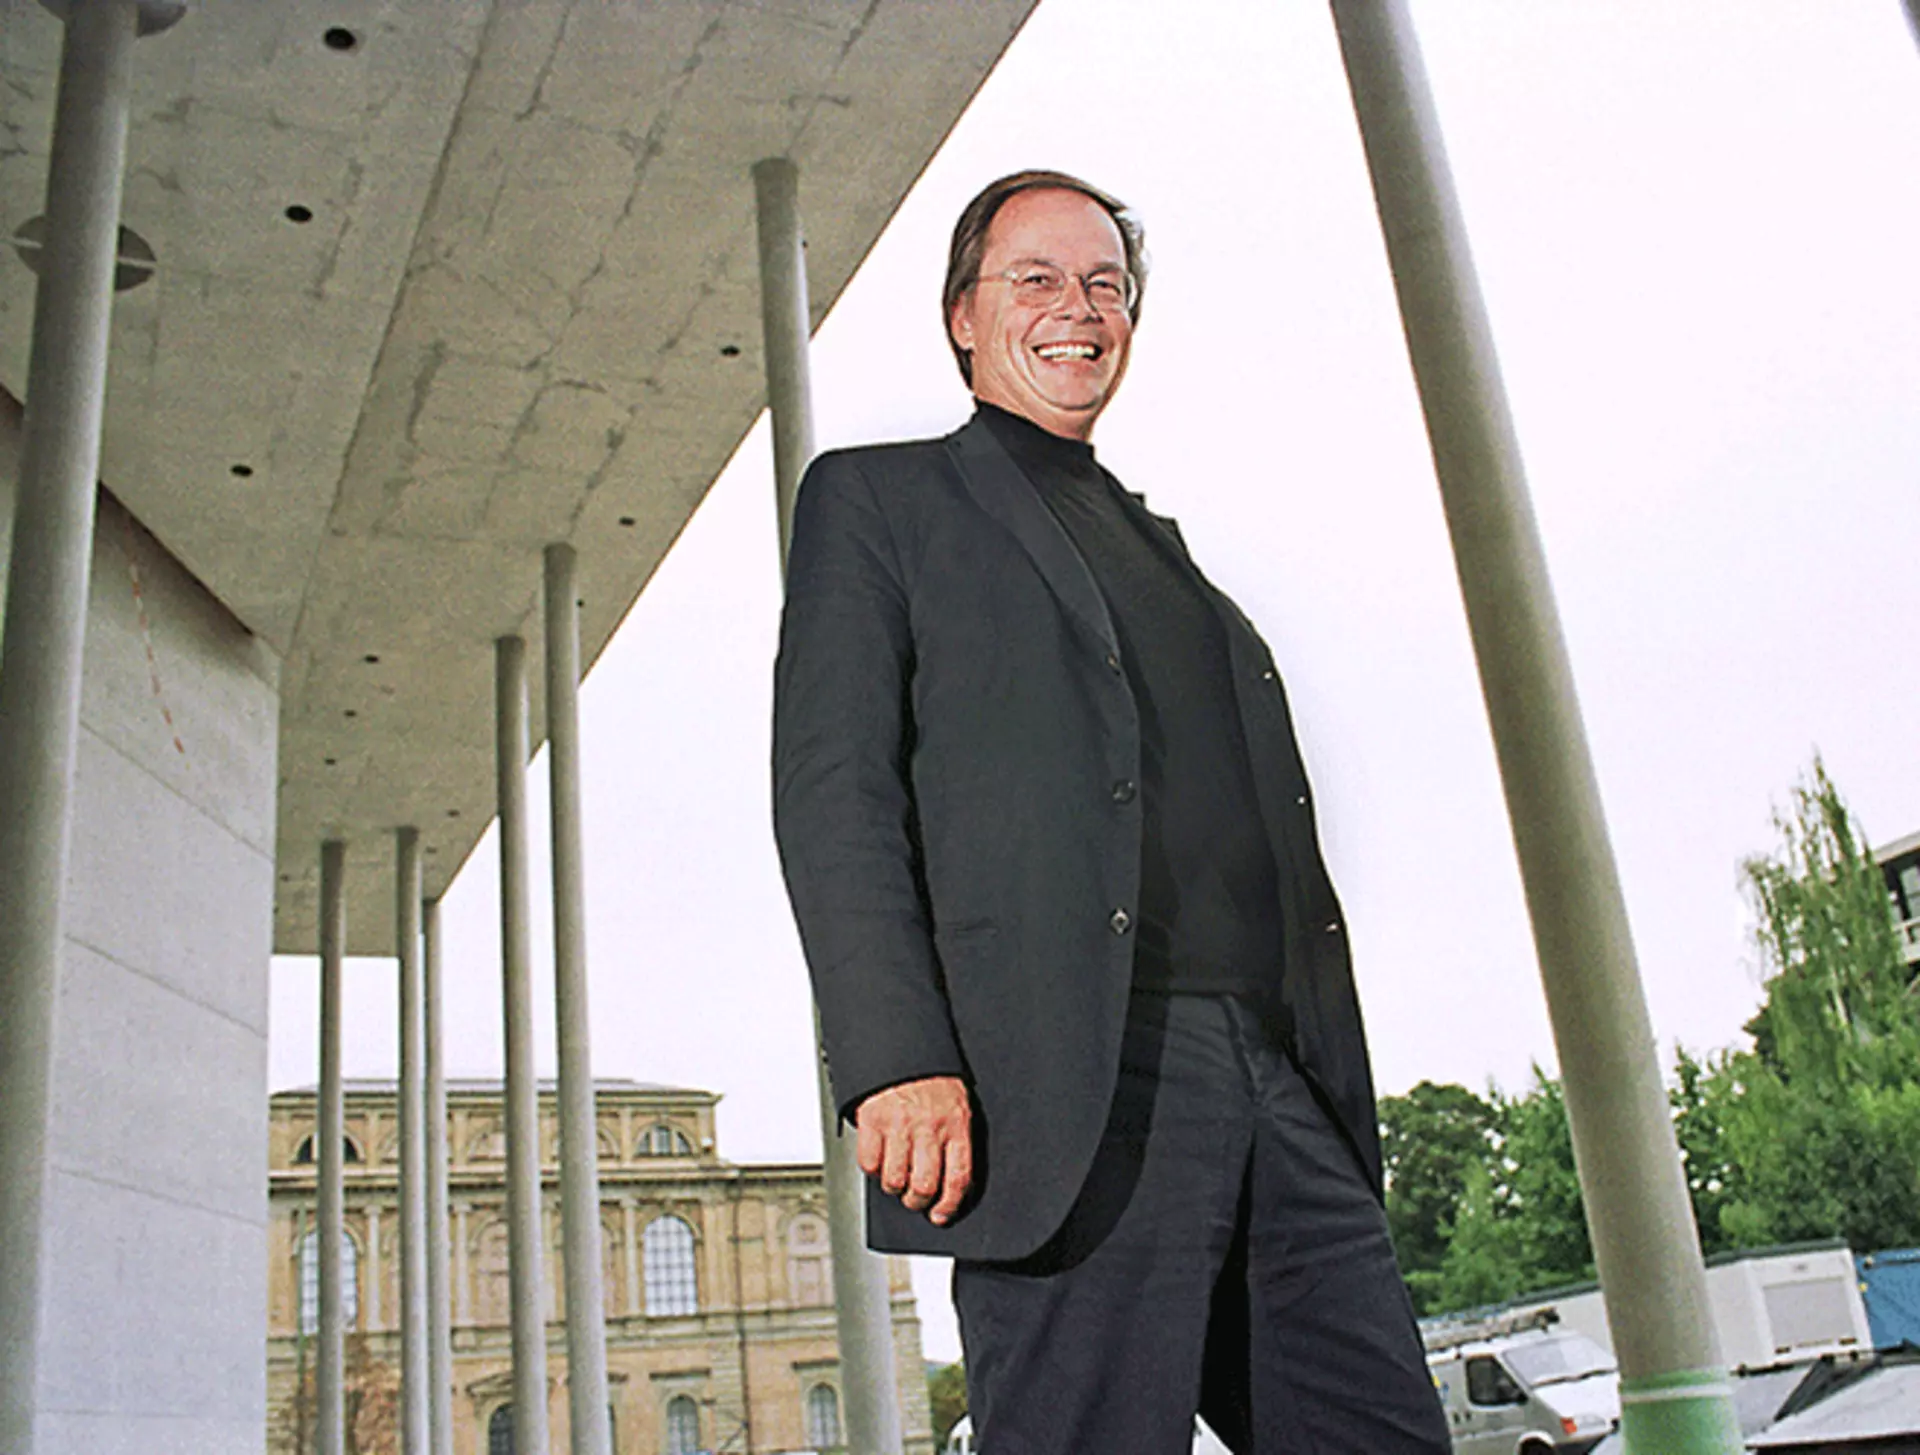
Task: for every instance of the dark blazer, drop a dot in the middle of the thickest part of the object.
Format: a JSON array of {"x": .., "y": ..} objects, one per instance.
[{"x": 951, "y": 721}]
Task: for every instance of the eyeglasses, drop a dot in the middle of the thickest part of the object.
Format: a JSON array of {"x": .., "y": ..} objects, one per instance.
[{"x": 1042, "y": 285}]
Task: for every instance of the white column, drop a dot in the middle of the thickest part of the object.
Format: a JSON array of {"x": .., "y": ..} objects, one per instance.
[
  {"x": 863, "y": 1304},
  {"x": 45, "y": 627},
  {"x": 414, "y": 1371},
  {"x": 579, "y": 1138},
  {"x": 525, "y": 1241},
  {"x": 330, "y": 1160},
  {"x": 1674, "y": 1391},
  {"x": 439, "y": 1259}
]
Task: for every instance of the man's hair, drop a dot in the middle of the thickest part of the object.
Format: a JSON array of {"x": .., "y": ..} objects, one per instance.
[{"x": 970, "y": 242}]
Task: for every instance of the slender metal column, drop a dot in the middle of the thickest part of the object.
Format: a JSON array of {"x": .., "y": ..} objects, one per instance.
[
  {"x": 525, "y": 1281},
  {"x": 579, "y": 1140},
  {"x": 414, "y": 1370},
  {"x": 863, "y": 1303},
  {"x": 329, "y": 1157},
  {"x": 439, "y": 1255},
  {"x": 1674, "y": 1390},
  {"x": 45, "y": 626}
]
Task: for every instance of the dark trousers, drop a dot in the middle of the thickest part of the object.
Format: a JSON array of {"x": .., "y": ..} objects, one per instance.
[{"x": 1227, "y": 1256}]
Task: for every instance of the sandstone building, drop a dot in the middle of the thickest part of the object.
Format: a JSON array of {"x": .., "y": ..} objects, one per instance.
[{"x": 718, "y": 1278}]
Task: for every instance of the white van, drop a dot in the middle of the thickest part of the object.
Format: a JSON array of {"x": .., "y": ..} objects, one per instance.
[{"x": 1529, "y": 1392}]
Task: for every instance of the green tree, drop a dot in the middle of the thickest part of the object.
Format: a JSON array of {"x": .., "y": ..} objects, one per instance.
[
  {"x": 1821, "y": 1120},
  {"x": 1699, "y": 1096},
  {"x": 947, "y": 1394},
  {"x": 1521, "y": 1223},
  {"x": 1837, "y": 1014},
  {"x": 1432, "y": 1139}
]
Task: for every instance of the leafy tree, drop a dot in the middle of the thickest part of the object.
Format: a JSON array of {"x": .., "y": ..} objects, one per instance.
[
  {"x": 1699, "y": 1096},
  {"x": 1431, "y": 1139},
  {"x": 1837, "y": 1014},
  {"x": 947, "y": 1394},
  {"x": 1521, "y": 1223},
  {"x": 1820, "y": 1122}
]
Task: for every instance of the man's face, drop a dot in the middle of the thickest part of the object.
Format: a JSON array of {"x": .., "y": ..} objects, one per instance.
[{"x": 1057, "y": 364}]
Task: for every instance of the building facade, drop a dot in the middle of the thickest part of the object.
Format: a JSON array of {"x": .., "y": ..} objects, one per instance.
[
  {"x": 1900, "y": 863},
  {"x": 718, "y": 1281}
]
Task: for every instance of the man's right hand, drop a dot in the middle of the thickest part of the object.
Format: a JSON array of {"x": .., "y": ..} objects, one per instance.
[{"x": 917, "y": 1138}]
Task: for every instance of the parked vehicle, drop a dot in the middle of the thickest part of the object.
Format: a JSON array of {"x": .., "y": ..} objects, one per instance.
[{"x": 1523, "y": 1387}]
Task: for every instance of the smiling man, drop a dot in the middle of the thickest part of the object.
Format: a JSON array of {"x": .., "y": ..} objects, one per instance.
[{"x": 1082, "y": 976}]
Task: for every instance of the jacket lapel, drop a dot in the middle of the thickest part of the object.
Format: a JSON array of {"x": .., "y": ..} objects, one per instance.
[{"x": 1001, "y": 488}]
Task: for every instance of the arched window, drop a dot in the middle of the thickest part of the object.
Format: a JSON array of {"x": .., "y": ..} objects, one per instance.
[
  {"x": 683, "y": 1426},
  {"x": 500, "y": 1431},
  {"x": 303, "y": 1154},
  {"x": 672, "y": 1284},
  {"x": 310, "y": 1282},
  {"x": 809, "y": 1262},
  {"x": 661, "y": 1140},
  {"x": 823, "y": 1417}
]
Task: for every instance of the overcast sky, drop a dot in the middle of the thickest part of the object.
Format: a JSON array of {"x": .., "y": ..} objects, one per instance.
[{"x": 1695, "y": 226}]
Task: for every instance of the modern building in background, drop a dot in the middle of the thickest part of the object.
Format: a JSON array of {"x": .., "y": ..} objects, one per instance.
[
  {"x": 718, "y": 1280},
  {"x": 1900, "y": 862}
]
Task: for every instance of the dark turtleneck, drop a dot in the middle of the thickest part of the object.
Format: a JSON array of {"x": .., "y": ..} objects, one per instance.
[{"x": 1209, "y": 914}]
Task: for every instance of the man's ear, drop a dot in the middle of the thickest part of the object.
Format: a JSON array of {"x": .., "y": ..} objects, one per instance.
[{"x": 960, "y": 323}]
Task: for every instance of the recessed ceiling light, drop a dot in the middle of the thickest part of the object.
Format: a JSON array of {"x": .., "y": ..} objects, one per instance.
[
  {"x": 241, "y": 472},
  {"x": 339, "y": 38},
  {"x": 299, "y": 213}
]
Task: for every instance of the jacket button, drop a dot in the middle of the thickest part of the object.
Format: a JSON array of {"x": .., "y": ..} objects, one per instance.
[
  {"x": 1333, "y": 926},
  {"x": 1301, "y": 800},
  {"x": 1266, "y": 674},
  {"x": 1120, "y": 922},
  {"x": 1113, "y": 660},
  {"x": 1123, "y": 791}
]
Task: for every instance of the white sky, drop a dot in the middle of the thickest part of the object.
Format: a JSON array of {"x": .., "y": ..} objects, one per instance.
[{"x": 1695, "y": 226}]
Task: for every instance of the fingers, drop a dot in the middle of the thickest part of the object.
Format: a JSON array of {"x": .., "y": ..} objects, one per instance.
[
  {"x": 916, "y": 1140},
  {"x": 870, "y": 1147},
  {"x": 895, "y": 1158},
  {"x": 959, "y": 1177}
]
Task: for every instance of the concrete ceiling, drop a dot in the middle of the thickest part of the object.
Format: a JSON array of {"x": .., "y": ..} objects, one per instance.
[{"x": 440, "y": 284}]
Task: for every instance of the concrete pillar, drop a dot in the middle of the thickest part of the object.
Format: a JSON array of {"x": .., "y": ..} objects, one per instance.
[
  {"x": 439, "y": 1255},
  {"x": 45, "y": 628},
  {"x": 579, "y": 1139},
  {"x": 862, "y": 1303},
  {"x": 414, "y": 1371},
  {"x": 1674, "y": 1392},
  {"x": 330, "y": 1160},
  {"x": 526, "y": 1297}
]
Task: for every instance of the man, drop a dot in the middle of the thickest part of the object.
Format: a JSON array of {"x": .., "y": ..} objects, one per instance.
[{"x": 1081, "y": 974}]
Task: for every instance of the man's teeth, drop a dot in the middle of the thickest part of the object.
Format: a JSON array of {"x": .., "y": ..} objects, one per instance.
[{"x": 1053, "y": 352}]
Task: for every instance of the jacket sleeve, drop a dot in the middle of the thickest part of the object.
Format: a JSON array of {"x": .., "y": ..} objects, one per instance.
[{"x": 843, "y": 806}]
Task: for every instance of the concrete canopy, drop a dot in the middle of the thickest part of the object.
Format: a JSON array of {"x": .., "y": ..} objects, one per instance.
[{"x": 437, "y": 285}]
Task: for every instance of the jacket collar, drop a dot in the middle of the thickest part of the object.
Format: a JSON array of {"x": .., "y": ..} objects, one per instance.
[{"x": 1001, "y": 488}]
